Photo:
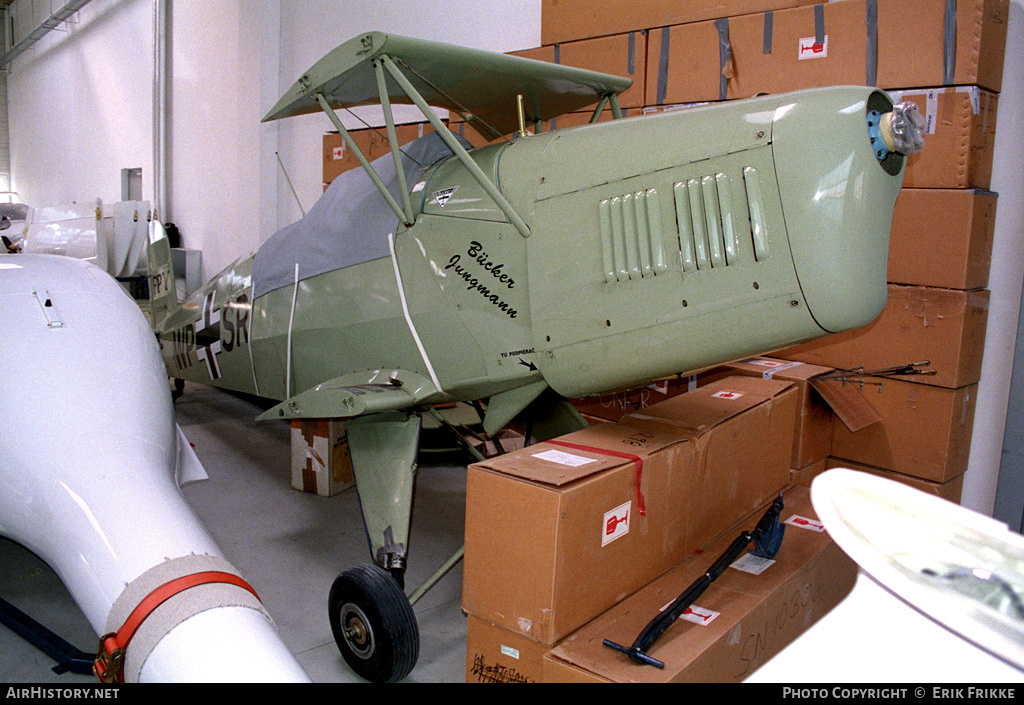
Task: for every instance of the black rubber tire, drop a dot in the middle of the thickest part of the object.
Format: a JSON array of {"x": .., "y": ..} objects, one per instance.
[{"x": 373, "y": 624}]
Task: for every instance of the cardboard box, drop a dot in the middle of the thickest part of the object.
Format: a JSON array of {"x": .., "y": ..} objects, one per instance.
[
  {"x": 945, "y": 327},
  {"x": 724, "y": 419},
  {"x": 738, "y": 623},
  {"x": 745, "y": 55},
  {"x": 321, "y": 463},
  {"x": 612, "y": 407},
  {"x": 338, "y": 158},
  {"x": 950, "y": 491},
  {"x": 566, "y": 20},
  {"x": 942, "y": 238},
  {"x": 812, "y": 439},
  {"x": 959, "y": 140},
  {"x": 925, "y": 431},
  {"x": 911, "y": 43},
  {"x": 560, "y": 531},
  {"x": 506, "y": 441},
  {"x": 497, "y": 655},
  {"x": 813, "y": 433},
  {"x": 622, "y": 54}
]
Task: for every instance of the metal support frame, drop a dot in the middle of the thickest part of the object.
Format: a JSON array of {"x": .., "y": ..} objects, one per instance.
[
  {"x": 68, "y": 657},
  {"x": 612, "y": 100},
  {"x": 460, "y": 152},
  {"x": 351, "y": 144},
  {"x": 50, "y": 23},
  {"x": 404, "y": 211},
  {"x": 389, "y": 122}
]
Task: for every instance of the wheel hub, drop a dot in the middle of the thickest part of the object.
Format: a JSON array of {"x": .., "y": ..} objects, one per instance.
[{"x": 358, "y": 633}]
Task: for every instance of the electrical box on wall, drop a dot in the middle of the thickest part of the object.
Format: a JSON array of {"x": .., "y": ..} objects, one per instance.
[{"x": 131, "y": 184}]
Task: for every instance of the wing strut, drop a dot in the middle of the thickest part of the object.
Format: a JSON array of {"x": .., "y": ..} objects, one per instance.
[
  {"x": 389, "y": 121},
  {"x": 460, "y": 152},
  {"x": 350, "y": 143}
]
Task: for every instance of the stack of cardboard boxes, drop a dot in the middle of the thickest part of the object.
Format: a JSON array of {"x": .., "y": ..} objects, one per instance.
[
  {"x": 940, "y": 251},
  {"x": 587, "y": 536},
  {"x": 945, "y": 57},
  {"x": 540, "y": 592}
]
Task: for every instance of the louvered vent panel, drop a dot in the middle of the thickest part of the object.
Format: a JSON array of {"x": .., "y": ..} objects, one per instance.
[
  {"x": 632, "y": 236},
  {"x": 708, "y": 221}
]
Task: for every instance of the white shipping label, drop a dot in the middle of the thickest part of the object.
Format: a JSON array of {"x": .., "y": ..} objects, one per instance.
[
  {"x": 695, "y": 614},
  {"x": 805, "y": 523},
  {"x": 661, "y": 386},
  {"x": 698, "y": 615},
  {"x": 749, "y": 563},
  {"x": 807, "y": 48},
  {"x": 338, "y": 153},
  {"x": 931, "y": 111},
  {"x": 764, "y": 362},
  {"x": 724, "y": 394},
  {"x": 616, "y": 523},
  {"x": 510, "y": 652},
  {"x": 562, "y": 458}
]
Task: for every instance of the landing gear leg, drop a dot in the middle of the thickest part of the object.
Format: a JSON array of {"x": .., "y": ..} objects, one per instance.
[{"x": 372, "y": 619}]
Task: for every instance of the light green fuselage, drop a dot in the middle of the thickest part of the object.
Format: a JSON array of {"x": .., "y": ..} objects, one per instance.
[{"x": 658, "y": 245}]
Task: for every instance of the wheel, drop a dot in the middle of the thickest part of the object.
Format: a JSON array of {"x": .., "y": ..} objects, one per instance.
[{"x": 373, "y": 624}]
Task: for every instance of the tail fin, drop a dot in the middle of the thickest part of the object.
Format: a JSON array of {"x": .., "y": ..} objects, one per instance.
[{"x": 163, "y": 295}]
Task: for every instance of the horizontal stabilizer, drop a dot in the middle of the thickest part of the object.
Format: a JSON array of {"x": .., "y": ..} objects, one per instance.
[{"x": 355, "y": 395}]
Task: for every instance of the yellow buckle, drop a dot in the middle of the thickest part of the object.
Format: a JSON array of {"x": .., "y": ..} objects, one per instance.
[{"x": 109, "y": 664}]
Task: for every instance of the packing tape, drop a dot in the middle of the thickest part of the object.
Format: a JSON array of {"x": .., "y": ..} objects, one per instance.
[
  {"x": 871, "y": 56},
  {"x": 724, "y": 56},
  {"x": 663, "y": 67},
  {"x": 631, "y": 54},
  {"x": 949, "y": 43},
  {"x": 637, "y": 461}
]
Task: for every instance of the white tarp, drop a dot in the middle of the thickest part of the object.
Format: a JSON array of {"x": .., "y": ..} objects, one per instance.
[
  {"x": 111, "y": 237},
  {"x": 348, "y": 225}
]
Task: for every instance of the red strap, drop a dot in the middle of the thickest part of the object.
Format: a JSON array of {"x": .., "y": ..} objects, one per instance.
[
  {"x": 637, "y": 461},
  {"x": 110, "y": 656}
]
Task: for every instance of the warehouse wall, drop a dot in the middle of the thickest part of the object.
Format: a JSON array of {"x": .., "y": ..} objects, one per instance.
[
  {"x": 82, "y": 109},
  {"x": 1005, "y": 282},
  {"x": 81, "y": 105}
]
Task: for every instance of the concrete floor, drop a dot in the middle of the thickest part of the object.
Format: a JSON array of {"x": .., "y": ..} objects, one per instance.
[{"x": 288, "y": 544}]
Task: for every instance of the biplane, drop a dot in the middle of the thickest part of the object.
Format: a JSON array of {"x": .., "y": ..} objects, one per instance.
[{"x": 541, "y": 267}]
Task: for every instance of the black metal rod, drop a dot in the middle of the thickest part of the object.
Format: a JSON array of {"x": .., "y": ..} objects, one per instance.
[
  {"x": 660, "y": 624},
  {"x": 68, "y": 657}
]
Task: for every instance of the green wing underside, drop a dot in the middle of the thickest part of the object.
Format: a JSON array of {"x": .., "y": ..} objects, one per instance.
[
  {"x": 360, "y": 394},
  {"x": 475, "y": 83}
]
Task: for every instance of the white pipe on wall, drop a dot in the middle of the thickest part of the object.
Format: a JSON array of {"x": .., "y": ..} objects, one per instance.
[
  {"x": 160, "y": 206},
  {"x": 1005, "y": 279}
]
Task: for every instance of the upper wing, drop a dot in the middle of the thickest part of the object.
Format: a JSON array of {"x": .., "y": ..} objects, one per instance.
[{"x": 482, "y": 83}]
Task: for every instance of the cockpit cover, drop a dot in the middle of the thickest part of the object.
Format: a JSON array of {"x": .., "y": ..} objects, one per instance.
[{"x": 350, "y": 223}]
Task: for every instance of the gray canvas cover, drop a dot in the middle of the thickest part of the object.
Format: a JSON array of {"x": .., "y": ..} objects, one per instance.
[{"x": 349, "y": 225}]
